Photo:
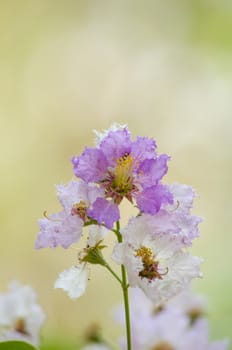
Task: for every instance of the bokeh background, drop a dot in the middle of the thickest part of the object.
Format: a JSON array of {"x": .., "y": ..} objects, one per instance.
[{"x": 67, "y": 67}]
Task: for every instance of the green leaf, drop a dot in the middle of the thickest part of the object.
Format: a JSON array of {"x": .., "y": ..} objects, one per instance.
[{"x": 16, "y": 345}]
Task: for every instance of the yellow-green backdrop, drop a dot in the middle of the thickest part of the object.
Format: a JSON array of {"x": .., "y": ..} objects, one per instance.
[{"x": 67, "y": 67}]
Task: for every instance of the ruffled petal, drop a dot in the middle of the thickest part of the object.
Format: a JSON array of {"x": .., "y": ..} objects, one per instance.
[
  {"x": 73, "y": 281},
  {"x": 150, "y": 199},
  {"x": 104, "y": 211},
  {"x": 91, "y": 166}
]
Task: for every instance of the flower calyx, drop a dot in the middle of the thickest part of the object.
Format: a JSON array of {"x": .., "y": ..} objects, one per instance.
[{"x": 93, "y": 255}]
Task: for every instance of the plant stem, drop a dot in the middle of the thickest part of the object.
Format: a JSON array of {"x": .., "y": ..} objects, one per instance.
[
  {"x": 113, "y": 273},
  {"x": 125, "y": 293}
]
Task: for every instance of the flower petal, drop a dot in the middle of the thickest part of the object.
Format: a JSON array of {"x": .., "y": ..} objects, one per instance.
[
  {"x": 150, "y": 199},
  {"x": 73, "y": 281},
  {"x": 104, "y": 211},
  {"x": 91, "y": 166}
]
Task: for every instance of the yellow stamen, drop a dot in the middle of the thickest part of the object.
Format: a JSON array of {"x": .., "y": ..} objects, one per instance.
[
  {"x": 150, "y": 265},
  {"x": 123, "y": 178},
  {"x": 80, "y": 209},
  {"x": 146, "y": 254}
]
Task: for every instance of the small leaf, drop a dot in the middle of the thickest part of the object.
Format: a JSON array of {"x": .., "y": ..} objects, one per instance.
[{"x": 16, "y": 345}]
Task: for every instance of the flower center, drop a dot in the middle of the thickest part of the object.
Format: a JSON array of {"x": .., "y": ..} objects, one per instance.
[
  {"x": 20, "y": 326},
  {"x": 150, "y": 265},
  {"x": 194, "y": 315},
  {"x": 119, "y": 182},
  {"x": 79, "y": 209},
  {"x": 163, "y": 346},
  {"x": 123, "y": 178}
]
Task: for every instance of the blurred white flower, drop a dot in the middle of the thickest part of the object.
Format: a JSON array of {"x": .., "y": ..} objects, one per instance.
[
  {"x": 156, "y": 263},
  {"x": 168, "y": 327},
  {"x": 20, "y": 315},
  {"x": 192, "y": 305},
  {"x": 73, "y": 280}
]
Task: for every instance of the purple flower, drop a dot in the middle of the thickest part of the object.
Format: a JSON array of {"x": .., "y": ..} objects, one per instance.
[
  {"x": 104, "y": 212},
  {"x": 150, "y": 199},
  {"x": 126, "y": 169},
  {"x": 59, "y": 229},
  {"x": 65, "y": 228}
]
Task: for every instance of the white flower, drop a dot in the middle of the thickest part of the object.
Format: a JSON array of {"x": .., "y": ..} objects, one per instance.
[
  {"x": 73, "y": 280},
  {"x": 96, "y": 234},
  {"x": 192, "y": 305},
  {"x": 183, "y": 197},
  {"x": 197, "y": 337},
  {"x": 155, "y": 263},
  {"x": 167, "y": 327},
  {"x": 20, "y": 315}
]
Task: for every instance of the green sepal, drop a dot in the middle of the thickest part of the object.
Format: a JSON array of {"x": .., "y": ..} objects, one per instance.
[
  {"x": 16, "y": 345},
  {"x": 94, "y": 254}
]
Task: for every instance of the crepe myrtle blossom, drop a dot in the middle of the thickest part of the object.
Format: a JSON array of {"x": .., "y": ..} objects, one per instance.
[
  {"x": 155, "y": 262},
  {"x": 124, "y": 168},
  {"x": 79, "y": 201},
  {"x": 191, "y": 305},
  {"x": 177, "y": 218},
  {"x": 171, "y": 331},
  {"x": 167, "y": 328},
  {"x": 74, "y": 280},
  {"x": 21, "y": 317},
  {"x": 187, "y": 303},
  {"x": 197, "y": 337},
  {"x": 164, "y": 332},
  {"x": 153, "y": 329}
]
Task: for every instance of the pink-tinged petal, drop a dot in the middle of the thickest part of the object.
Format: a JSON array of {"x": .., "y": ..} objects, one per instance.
[
  {"x": 115, "y": 145},
  {"x": 104, "y": 211},
  {"x": 91, "y": 166},
  {"x": 188, "y": 225},
  {"x": 59, "y": 230},
  {"x": 183, "y": 195},
  {"x": 71, "y": 193},
  {"x": 143, "y": 148},
  {"x": 152, "y": 170},
  {"x": 75, "y": 191},
  {"x": 150, "y": 199}
]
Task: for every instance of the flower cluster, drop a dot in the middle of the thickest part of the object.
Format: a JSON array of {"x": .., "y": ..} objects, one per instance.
[
  {"x": 20, "y": 316},
  {"x": 153, "y": 245},
  {"x": 179, "y": 324},
  {"x": 152, "y": 248}
]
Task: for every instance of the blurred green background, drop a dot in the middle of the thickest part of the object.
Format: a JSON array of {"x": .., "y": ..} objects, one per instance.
[{"x": 67, "y": 67}]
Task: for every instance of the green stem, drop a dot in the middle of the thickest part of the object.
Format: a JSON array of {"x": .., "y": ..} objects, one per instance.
[
  {"x": 125, "y": 293},
  {"x": 113, "y": 273},
  {"x": 122, "y": 281}
]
